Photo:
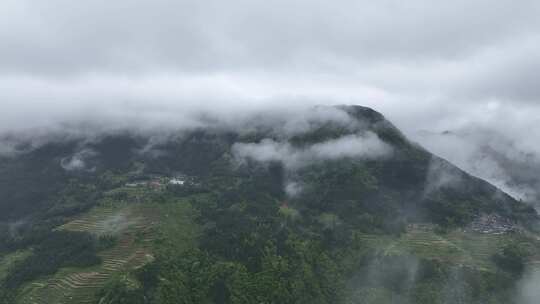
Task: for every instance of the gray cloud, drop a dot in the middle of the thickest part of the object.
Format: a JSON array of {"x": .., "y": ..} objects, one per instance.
[
  {"x": 60, "y": 36},
  {"x": 442, "y": 174},
  {"x": 366, "y": 146},
  {"x": 153, "y": 65},
  {"x": 527, "y": 287},
  {"x": 293, "y": 189},
  {"x": 79, "y": 161},
  {"x": 69, "y": 56},
  {"x": 79, "y": 68},
  {"x": 359, "y": 146},
  {"x": 485, "y": 152}
]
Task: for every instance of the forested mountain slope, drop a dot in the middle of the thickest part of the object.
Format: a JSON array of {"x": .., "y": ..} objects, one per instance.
[{"x": 331, "y": 205}]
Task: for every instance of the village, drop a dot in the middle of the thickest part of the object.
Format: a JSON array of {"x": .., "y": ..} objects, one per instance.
[
  {"x": 484, "y": 224},
  {"x": 492, "y": 224},
  {"x": 159, "y": 182}
]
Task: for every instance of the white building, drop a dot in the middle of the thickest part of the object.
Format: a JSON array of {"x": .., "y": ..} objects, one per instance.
[{"x": 176, "y": 181}]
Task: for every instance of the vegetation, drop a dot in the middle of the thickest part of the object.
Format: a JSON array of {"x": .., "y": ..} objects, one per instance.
[
  {"x": 68, "y": 249},
  {"x": 121, "y": 289},
  {"x": 356, "y": 231},
  {"x": 511, "y": 258}
]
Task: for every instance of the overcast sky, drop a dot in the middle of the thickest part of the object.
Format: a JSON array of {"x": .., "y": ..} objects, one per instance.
[{"x": 426, "y": 65}]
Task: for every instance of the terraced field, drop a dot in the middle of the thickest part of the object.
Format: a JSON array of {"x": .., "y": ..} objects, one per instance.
[
  {"x": 9, "y": 260},
  {"x": 134, "y": 228},
  {"x": 466, "y": 248}
]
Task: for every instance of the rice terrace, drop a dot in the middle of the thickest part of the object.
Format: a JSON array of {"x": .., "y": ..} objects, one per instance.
[{"x": 130, "y": 226}]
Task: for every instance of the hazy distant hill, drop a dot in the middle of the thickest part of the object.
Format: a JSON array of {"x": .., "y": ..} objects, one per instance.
[{"x": 490, "y": 156}]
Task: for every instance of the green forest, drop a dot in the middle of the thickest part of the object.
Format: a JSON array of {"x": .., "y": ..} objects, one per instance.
[{"x": 359, "y": 231}]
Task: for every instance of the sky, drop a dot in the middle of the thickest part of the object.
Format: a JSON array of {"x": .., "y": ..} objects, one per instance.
[{"x": 427, "y": 66}]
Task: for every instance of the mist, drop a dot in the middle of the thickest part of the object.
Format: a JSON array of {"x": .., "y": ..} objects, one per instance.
[
  {"x": 86, "y": 68},
  {"x": 81, "y": 69},
  {"x": 131, "y": 63},
  {"x": 527, "y": 288},
  {"x": 367, "y": 146},
  {"x": 460, "y": 78}
]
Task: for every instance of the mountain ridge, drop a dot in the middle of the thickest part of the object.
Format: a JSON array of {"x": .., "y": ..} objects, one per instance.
[{"x": 341, "y": 182}]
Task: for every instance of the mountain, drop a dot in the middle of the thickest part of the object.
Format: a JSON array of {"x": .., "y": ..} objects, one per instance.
[
  {"x": 491, "y": 156},
  {"x": 329, "y": 205}
]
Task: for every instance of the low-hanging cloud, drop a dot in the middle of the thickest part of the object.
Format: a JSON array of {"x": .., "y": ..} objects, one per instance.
[
  {"x": 492, "y": 155},
  {"x": 293, "y": 188},
  {"x": 442, "y": 174},
  {"x": 142, "y": 65},
  {"x": 527, "y": 287},
  {"x": 365, "y": 146},
  {"x": 134, "y": 61},
  {"x": 78, "y": 161}
]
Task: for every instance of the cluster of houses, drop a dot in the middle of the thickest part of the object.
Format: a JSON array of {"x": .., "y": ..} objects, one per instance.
[
  {"x": 487, "y": 224},
  {"x": 157, "y": 182},
  {"x": 492, "y": 224}
]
